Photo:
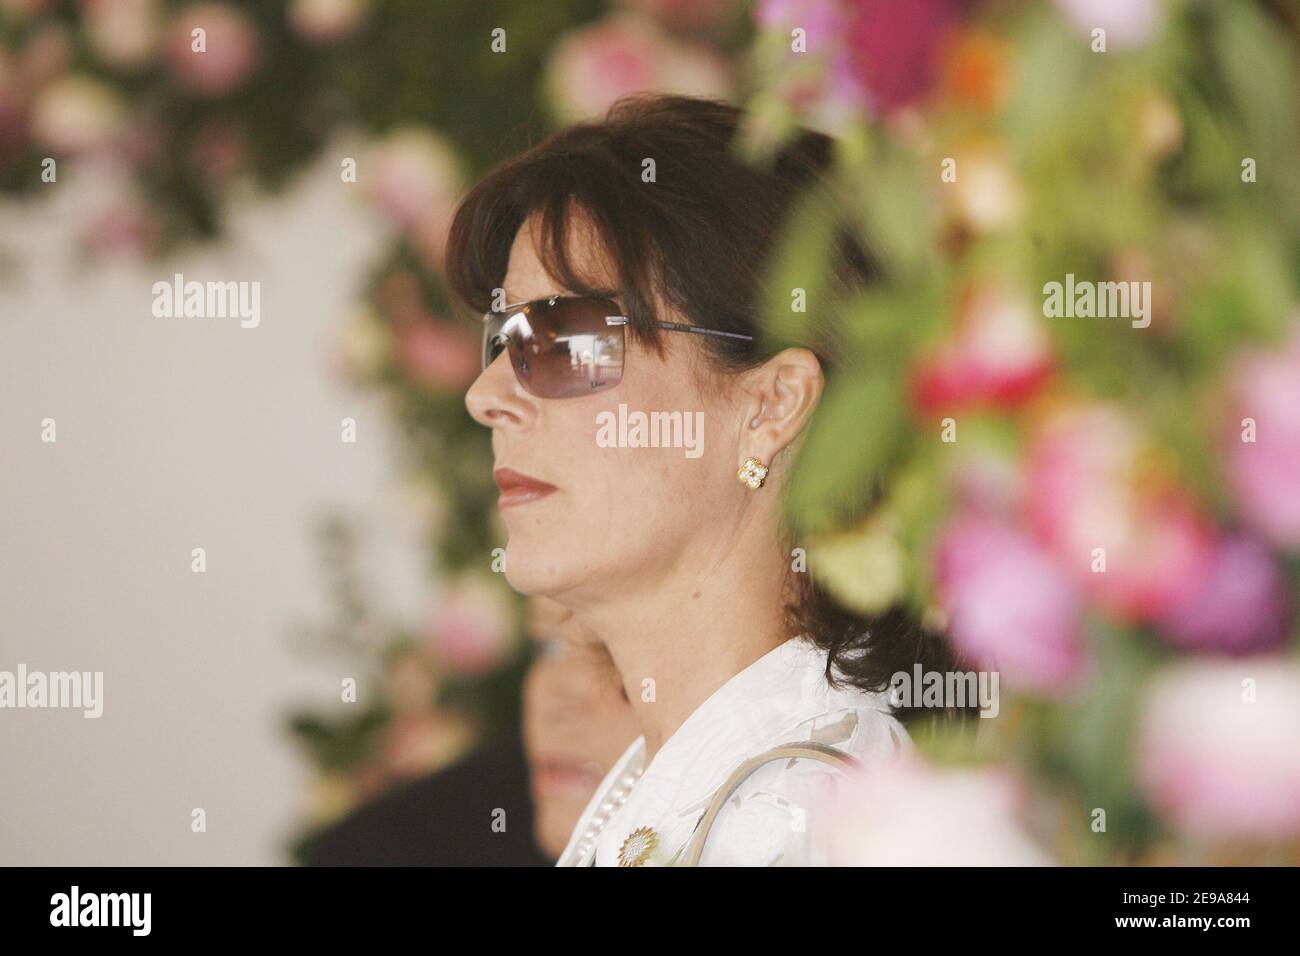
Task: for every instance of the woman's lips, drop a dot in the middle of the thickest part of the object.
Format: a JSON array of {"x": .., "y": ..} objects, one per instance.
[{"x": 518, "y": 488}]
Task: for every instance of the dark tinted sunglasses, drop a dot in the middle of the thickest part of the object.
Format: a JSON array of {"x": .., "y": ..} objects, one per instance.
[{"x": 567, "y": 346}]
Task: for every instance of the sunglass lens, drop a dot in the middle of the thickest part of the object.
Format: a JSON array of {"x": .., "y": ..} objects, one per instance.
[{"x": 574, "y": 349}]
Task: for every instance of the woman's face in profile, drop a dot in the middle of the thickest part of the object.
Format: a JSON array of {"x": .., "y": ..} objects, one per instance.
[
  {"x": 577, "y": 723},
  {"x": 619, "y": 518}
]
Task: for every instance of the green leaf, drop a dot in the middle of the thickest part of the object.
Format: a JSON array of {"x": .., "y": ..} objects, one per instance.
[{"x": 852, "y": 440}]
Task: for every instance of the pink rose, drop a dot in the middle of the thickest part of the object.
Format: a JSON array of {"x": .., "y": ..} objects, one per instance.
[
  {"x": 123, "y": 33},
  {"x": 1010, "y": 608},
  {"x": 77, "y": 114},
  {"x": 1126, "y": 22},
  {"x": 1243, "y": 607},
  {"x": 1217, "y": 753},
  {"x": 413, "y": 177},
  {"x": 472, "y": 630},
  {"x": 327, "y": 21},
  {"x": 909, "y": 813},
  {"x": 999, "y": 354},
  {"x": 595, "y": 65},
  {"x": 895, "y": 47},
  {"x": 1265, "y": 473},
  {"x": 445, "y": 356},
  {"x": 1091, "y": 487},
  {"x": 229, "y": 51}
]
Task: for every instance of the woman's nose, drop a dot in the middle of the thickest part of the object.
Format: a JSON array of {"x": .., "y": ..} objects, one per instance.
[{"x": 496, "y": 398}]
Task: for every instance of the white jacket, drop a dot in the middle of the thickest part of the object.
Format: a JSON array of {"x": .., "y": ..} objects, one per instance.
[{"x": 772, "y": 819}]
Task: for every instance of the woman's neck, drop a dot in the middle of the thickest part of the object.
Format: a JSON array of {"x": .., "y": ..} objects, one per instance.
[{"x": 676, "y": 645}]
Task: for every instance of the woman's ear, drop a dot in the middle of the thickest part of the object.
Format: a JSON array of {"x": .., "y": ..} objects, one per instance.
[{"x": 781, "y": 395}]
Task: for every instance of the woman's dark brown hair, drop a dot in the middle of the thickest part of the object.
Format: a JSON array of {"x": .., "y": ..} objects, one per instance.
[{"x": 700, "y": 235}]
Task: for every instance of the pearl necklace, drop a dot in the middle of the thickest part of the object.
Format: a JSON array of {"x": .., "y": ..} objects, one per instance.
[{"x": 613, "y": 801}]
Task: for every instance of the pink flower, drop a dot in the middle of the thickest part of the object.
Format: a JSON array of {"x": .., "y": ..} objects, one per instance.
[
  {"x": 1243, "y": 607},
  {"x": 413, "y": 177},
  {"x": 822, "y": 21},
  {"x": 818, "y": 81},
  {"x": 472, "y": 629},
  {"x": 444, "y": 356},
  {"x": 1217, "y": 753},
  {"x": 595, "y": 65},
  {"x": 909, "y": 813},
  {"x": 123, "y": 33},
  {"x": 1009, "y": 606},
  {"x": 895, "y": 47},
  {"x": 1091, "y": 487},
  {"x": 999, "y": 354},
  {"x": 228, "y": 53},
  {"x": 77, "y": 114},
  {"x": 1265, "y": 473},
  {"x": 327, "y": 21},
  {"x": 1126, "y": 22}
]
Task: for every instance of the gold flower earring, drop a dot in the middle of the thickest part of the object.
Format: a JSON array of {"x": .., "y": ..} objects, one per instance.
[{"x": 752, "y": 473}]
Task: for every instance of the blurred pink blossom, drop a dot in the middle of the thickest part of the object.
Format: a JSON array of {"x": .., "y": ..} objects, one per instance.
[
  {"x": 894, "y": 48},
  {"x": 1009, "y": 606},
  {"x": 231, "y": 48},
  {"x": 823, "y": 22},
  {"x": 595, "y": 65},
  {"x": 910, "y": 813},
  {"x": 999, "y": 353},
  {"x": 1091, "y": 487},
  {"x": 472, "y": 630},
  {"x": 819, "y": 82},
  {"x": 441, "y": 355},
  {"x": 327, "y": 21},
  {"x": 1126, "y": 22},
  {"x": 1217, "y": 763},
  {"x": 413, "y": 177},
  {"x": 77, "y": 114},
  {"x": 1243, "y": 607},
  {"x": 123, "y": 34},
  {"x": 433, "y": 352},
  {"x": 1265, "y": 473}
]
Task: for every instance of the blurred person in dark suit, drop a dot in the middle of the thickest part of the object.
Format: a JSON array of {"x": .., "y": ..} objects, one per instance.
[{"x": 576, "y": 723}]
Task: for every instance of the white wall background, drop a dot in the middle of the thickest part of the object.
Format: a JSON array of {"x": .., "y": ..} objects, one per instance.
[{"x": 175, "y": 434}]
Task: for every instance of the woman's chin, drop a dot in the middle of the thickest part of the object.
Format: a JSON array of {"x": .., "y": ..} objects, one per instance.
[{"x": 532, "y": 573}]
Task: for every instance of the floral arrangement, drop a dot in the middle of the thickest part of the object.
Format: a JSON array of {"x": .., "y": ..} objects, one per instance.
[{"x": 1076, "y": 445}]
